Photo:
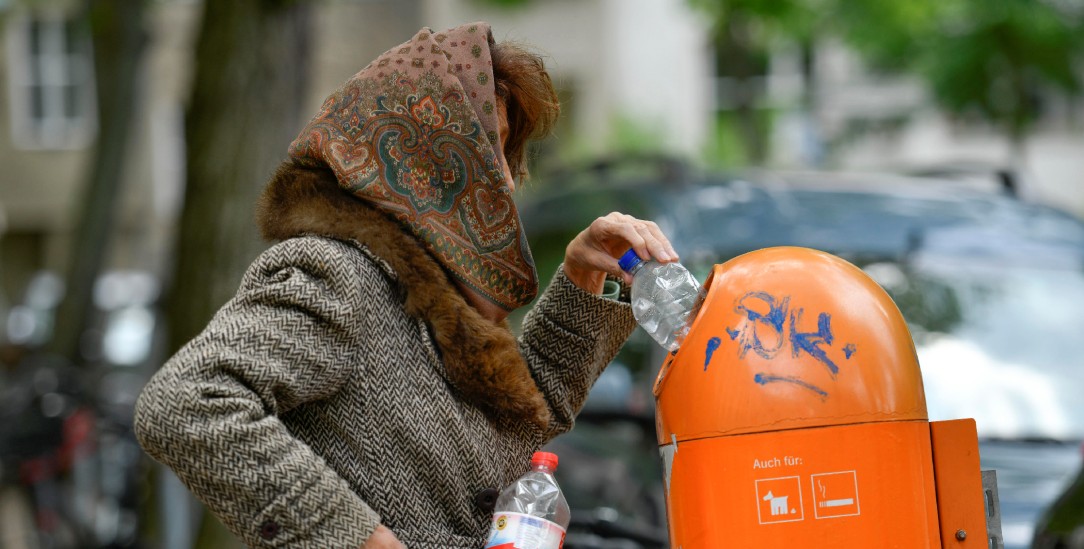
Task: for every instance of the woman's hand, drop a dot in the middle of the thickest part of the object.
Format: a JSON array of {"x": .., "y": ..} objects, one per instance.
[
  {"x": 383, "y": 538},
  {"x": 595, "y": 251}
]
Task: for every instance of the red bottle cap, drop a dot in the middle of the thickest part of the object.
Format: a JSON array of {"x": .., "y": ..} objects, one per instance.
[{"x": 544, "y": 459}]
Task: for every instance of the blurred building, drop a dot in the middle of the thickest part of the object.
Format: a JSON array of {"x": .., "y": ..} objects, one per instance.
[
  {"x": 618, "y": 63},
  {"x": 645, "y": 68},
  {"x": 642, "y": 65}
]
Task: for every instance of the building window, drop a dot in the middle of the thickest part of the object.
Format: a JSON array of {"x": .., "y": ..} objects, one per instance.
[{"x": 51, "y": 79}]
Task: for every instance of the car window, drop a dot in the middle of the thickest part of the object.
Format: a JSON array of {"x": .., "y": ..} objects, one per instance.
[{"x": 998, "y": 343}]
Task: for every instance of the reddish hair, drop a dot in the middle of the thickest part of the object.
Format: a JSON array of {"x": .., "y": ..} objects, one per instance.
[{"x": 524, "y": 86}]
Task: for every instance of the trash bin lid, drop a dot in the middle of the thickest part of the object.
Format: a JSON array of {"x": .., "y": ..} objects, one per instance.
[{"x": 789, "y": 338}]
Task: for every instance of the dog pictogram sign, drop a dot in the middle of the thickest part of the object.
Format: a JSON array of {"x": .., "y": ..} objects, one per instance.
[{"x": 779, "y": 500}]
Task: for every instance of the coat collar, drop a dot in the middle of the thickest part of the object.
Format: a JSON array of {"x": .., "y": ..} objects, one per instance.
[{"x": 482, "y": 359}]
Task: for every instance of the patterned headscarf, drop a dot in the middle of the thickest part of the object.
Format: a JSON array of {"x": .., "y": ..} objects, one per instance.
[{"x": 415, "y": 134}]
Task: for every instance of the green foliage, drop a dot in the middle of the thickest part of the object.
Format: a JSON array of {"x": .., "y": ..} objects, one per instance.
[
  {"x": 985, "y": 58},
  {"x": 631, "y": 135},
  {"x": 772, "y": 19},
  {"x": 505, "y": 3},
  {"x": 989, "y": 59},
  {"x": 888, "y": 33},
  {"x": 628, "y": 136},
  {"x": 726, "y": 147},
  {"x": 992, "y": 58}
]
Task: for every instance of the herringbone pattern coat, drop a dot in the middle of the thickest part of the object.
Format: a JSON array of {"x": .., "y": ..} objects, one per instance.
[{"x": 348, "y": 384}]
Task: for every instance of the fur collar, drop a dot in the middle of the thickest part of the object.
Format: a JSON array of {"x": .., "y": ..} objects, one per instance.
[{"x": 482, "y": 359}]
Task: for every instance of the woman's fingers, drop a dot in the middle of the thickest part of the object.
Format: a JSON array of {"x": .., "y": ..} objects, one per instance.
[
  {"x": 657, "y": 245},
  {"x": 624, "y": 231},
  {"x": 616, "y": 233},
  {"x": 594, "y": 251},
  {"x": 664, "y": 242}
]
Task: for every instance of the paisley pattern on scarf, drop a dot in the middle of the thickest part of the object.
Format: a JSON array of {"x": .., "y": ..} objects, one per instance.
[{"x": 414, "y": 134}]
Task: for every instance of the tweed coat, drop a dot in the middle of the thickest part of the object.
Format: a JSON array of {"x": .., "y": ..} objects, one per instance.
[{"x": 349, "y": 384}]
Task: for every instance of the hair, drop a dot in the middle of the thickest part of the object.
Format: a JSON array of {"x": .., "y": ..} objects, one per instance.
[{"x": 524, "y": 87}]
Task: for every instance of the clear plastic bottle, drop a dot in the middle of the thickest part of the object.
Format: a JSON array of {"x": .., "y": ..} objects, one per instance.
[
  {"x": 531, "y": 513},
  {"x": 663, "y": 297}
]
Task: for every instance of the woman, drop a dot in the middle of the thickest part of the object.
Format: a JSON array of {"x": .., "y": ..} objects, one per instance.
[{"x": 363, "y": 388}]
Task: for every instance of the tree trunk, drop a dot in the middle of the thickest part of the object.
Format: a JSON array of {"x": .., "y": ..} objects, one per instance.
[
  {"x": 118, "y": 37},
  {"x": 737, "y": 52},
  {"x": 245, "y": 109}
]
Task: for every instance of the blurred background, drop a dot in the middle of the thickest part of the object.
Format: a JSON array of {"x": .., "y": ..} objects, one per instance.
[{"x": 135, "y": 136}]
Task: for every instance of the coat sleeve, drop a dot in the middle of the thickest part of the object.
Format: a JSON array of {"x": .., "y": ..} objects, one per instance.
[
  {"x": 211, "y": 413},
  {"x": 568, "y": 338}
]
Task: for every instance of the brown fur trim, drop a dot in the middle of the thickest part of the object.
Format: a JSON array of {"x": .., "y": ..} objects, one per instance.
[{"x": 482, "y": 359}]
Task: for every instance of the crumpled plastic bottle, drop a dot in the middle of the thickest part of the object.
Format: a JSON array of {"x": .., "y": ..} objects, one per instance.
[
  {"x": 664, "y": 295},
  {"x": 532, "y": 512}
]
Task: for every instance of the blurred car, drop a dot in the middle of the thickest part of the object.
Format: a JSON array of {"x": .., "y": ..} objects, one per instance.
[{"x": 992, "y": 289}]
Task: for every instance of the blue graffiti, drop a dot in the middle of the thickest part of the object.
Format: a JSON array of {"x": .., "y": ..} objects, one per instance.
[
  {"x": 765, "y": 379},
  {"x": 768, "y": 323},
  {"x": 713, "y": 344},
  {"x": 849, "y": 350},
  {"x": 771, "y": 320},
  {"x": 810, "y": 342}
]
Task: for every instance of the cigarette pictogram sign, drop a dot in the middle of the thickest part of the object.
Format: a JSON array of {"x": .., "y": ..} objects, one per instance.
[{"x": 835, "y": 495}]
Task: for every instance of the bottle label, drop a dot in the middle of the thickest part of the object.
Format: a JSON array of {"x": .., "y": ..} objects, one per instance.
[{"x": 519, "y": 531}]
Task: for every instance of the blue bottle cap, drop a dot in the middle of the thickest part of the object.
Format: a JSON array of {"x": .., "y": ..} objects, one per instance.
[{"x": 629, "y": 260}]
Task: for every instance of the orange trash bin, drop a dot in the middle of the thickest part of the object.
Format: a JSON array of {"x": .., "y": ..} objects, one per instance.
[{"x": 793, "y": 415}]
